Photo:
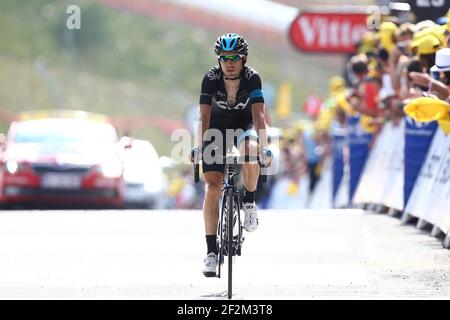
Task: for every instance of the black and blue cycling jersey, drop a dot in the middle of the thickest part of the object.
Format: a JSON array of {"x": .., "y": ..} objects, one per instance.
[
  {"x": 223, "y": 115},
  {"x": 213, "y": 93}
]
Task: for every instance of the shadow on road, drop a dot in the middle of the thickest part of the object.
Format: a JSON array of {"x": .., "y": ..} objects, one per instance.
[{"x": 222, "y": 294}]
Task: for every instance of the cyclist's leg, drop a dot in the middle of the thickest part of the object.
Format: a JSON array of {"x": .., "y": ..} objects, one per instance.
[
  {"x": 248, "y": 145},
  {"x": 213, "y": 175},
  {"x": 213, "y": 188},
  {"x": 213, "y": 184},
  {"x": 213, "y": 172}
]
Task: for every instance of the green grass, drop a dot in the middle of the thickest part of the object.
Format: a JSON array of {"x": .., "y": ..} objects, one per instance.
[{"x": 125, "y": 64}]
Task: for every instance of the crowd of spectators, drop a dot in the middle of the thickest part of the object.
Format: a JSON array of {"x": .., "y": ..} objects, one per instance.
[{"x": 401, "y": 68}]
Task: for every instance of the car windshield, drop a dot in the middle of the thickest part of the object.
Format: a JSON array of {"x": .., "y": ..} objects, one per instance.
[{"x": 64, "y": 131}]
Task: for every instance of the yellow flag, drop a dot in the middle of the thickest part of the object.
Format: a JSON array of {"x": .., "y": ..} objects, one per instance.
[
  {"x": 284, "y": 100},
  {"x": 425, "y": 109},
  {"x": 445, "y": 125}
]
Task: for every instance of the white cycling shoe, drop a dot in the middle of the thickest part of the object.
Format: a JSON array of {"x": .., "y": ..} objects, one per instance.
[
  {"x": 251, "y": 217},
  {"x": 210, "y": 265}
]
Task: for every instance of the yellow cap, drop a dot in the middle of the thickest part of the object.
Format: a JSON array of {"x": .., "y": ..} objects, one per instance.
[
  {"x": 436, "y": 30},
  {"x": 324, "y": 120},
  {"x": 420, "y": 34},
  {"x": 439, "y": 32},
  {"x": 337, "y": 84},
  {"x": 425, "y": 109},
  {"x": 388, "y": 27},
  {"x": 427, "y": 44},
  {"x": 368, "y": 42},
  {"x": 367, "y": 124},
  {"x": 369, "y": 37},
  {"x": 342, "y": 102},
  {"x": 373, "y": 70},
  {"x": 386, "y": 35}
]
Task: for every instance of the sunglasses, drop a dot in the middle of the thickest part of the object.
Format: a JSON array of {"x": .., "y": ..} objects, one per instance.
[{"x": 232, "y": 57}]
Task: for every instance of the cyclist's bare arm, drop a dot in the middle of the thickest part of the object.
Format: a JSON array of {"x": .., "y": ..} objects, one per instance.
[
  {"x": 259, "y": 121},
  {"x": 204, "y": 118}
]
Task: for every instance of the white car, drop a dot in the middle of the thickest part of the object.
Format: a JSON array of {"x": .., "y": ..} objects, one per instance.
[{"x": 145, "y": 181}]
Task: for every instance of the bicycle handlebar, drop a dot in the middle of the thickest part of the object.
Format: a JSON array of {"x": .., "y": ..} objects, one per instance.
[
  {"x": 196, "y": 173},
  {"x": 234, "y": 160}
]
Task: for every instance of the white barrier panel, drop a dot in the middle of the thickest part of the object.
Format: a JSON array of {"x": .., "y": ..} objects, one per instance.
[
  {"x": 376, "y": 188},
  {"x": 343, "y": 192},
  {"x": 422, "y": 193},
  {"x": 395, "y": 168},
  {"x": 438, "y": 211},
  {"x": 443, "y": 218},
  {"x": 369, "y": 178},
  {"x": 383, "y": 175},
  {"x": 322, "y": 197}
]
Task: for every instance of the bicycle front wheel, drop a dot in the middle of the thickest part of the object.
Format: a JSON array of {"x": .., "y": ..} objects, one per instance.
[{"x": 230, "y": 211}]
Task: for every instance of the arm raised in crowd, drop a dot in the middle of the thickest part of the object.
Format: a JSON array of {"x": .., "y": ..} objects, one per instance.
[{"x": 434, "y": 86}]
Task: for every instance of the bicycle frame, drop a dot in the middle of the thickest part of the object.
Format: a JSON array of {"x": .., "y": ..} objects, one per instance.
[{"x": 229, "y": 235}]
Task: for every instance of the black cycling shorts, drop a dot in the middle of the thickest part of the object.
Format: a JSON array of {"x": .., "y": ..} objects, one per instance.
[{"x": 213, "y": 151}]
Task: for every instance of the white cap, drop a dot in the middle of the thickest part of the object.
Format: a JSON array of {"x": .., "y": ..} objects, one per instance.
[{"x": 442, "y": 61}]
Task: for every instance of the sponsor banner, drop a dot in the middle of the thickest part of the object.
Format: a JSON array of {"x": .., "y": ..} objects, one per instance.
[
  {"x": 358, "y": 141},
  {"x": 443, "y": 208},
  {"x": 328, "y": 32},
  {"x": 342, "y": 195},
  {"x": 321, "y": 198},
  {"x": 422, "y": 193},
  {"x": 418, "y": 137},
  {"x": 371, "y": 177},
  {"x": 438, "y": 211},
  {"x": 393, "y": 192},
  {"x": 384, "y": 167}
]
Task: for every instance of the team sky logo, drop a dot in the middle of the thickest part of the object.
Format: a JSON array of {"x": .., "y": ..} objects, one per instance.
[
  {"x": 214, "y": 74},
  {"x": 221, "y": 101},
  {"x": 224, "y": 105},
  {"x": 249, "y": 72}
]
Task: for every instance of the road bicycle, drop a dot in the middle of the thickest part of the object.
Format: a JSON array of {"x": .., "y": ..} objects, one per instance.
[{"x": 230, "y": 230}]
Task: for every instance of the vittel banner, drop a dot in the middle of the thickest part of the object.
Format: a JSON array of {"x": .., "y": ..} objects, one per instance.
[{"x": 331, "y": 32}]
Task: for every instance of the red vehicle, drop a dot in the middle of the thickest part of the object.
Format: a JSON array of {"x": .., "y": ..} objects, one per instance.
[{"x": 63, "y": 158}]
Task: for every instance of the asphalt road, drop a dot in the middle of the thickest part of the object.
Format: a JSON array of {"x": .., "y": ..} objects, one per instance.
[{"x": 332, "y": 254}]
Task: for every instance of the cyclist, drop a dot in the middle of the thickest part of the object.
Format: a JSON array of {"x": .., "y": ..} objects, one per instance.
[{"x": 231, "y": 98}]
